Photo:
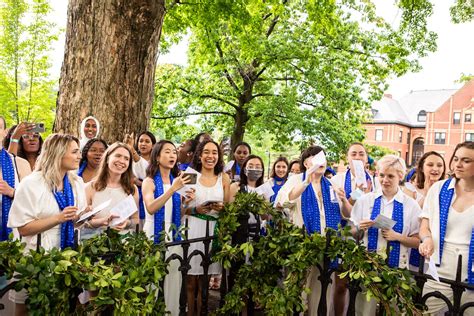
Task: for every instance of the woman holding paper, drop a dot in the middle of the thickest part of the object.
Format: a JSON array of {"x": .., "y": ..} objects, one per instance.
[
  {"x": 447, "y": 228},
  {"x": 163, "y": 206},
  {"x": 113, "y": 183},
  {"x": 212, "y": 191},
  {"x": 389, "y": 218},
  {"x": 317, "y": 208},
  {"x": 47, "y": 201}
]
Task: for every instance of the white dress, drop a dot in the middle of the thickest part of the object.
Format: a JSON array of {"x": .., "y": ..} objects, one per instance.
[
  {"x": 197, "y": 226},
  {"x": 35, "y": 200},
  {"x": 172, "y": 285}
]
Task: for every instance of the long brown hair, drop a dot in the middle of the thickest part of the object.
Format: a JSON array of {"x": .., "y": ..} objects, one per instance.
[
  {"x": 154, "y": 166},
  {"x": 466, "y": 144},
  {"x": 420, "y": 176},
  {"x": 100, "y": 182}
]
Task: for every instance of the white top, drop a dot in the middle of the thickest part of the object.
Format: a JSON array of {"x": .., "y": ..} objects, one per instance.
[
  {"x": 459, "y": 227},
  {"x": 139, "y": 168},
  {"x": 214, "y": 193},
  {"x": 340, "y": 179},
  {"x": 431, "y": 212},
  {"x": 363, "y": 207},
  {"x": 149, "y": 226},
  {"x": 35, "y": 200},
  {"x": 296, "y": 216}
]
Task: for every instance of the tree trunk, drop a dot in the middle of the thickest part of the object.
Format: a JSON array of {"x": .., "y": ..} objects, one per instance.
[
  {"x": 241, "y": 118},
  {"x": 109, "y": 65}
]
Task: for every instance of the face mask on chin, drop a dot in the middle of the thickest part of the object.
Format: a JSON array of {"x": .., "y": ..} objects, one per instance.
[{"x": 253, "y": 174}]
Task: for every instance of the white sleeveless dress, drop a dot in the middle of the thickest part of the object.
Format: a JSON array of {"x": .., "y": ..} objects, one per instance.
[{"x": 197, "y": 226}]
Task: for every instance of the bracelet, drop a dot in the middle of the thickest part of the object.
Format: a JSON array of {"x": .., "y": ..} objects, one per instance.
[
  {"x": 14, "y": 140},
  {"x": 424, "y": 238}
]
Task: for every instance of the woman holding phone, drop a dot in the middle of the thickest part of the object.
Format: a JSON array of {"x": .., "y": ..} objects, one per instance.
[
  {"x": 212, "y": 191},
  {"x": 24, "y": 140},
  {"x": 47, "y": 201}
]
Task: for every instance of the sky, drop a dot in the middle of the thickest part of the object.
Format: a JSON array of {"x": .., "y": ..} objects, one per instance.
[{"x": 440, "y": 69}]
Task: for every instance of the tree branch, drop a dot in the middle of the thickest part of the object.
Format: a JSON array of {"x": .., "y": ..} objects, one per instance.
[
  {"x": 210, "y": 96},
  {"x": 191, "y": 114},
  {"x": 226, "y": 72}
]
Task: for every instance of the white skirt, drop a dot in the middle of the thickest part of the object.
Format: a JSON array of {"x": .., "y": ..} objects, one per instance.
[{"x": 197, "y": 229}]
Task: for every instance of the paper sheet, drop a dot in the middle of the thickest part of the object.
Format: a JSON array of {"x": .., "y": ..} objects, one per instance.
[
  {"x": 96, "y": 210},
  {"x": 124, "y": 209},
  {"x": 384, "y": 222},
  {"x": 229, "y": 165},
  {"x": 359, "y": 172},
  {"x": 188, "y": 187},
  {"x": 432, "y": 270},
  {"x": 265, "y": 190},
  {"x": 317, "y": 161}
]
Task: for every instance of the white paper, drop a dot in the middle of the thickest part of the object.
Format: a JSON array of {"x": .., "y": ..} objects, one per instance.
[
  {"x": 229, "y": 165},
  {"x": 317, "y": 161},
  {"x": 359, "y": 171},
  {"x": 124, "y": 209},
  {"x": 432, "y": 269},
  {"x": 333, "y": 195},
  {"x": 188, "y": 187},
  {"x": 384, "y": 222},
  {"x": 96, "y": 210},
  {"x": 356, "y": 194},
  {"x": 265, "y": 190}
]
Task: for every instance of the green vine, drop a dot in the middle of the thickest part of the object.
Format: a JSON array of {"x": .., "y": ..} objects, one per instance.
[
  {"x": 122, "y": 272},
  {"x": 281, "y": 261}
]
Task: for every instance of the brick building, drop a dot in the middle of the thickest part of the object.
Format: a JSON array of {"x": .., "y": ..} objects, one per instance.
[{"x": 423, "y": 121}]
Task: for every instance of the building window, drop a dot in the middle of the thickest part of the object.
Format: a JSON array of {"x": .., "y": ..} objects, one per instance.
[
  {"x": 440, "y": 138},
  {"x": 467, "y": 117},
  {"x": 379, "y": 134},
  {"x": 470, "y": 137},
  {"x": 457, "y": 118},
  {"x": 408, "y": 139},
  {"x": 400, "y": 137},
  {"x": 422, "y": 116}
]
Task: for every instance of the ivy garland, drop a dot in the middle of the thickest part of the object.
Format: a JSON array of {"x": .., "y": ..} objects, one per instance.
[
  {"x": 280, "y": 263},
  {"x": 122, "y": 271}
]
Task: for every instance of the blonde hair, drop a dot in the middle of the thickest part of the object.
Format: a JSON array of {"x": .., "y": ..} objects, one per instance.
[
  {"x": 50, "y": 160},
  {"x": 392, "y": 161}
]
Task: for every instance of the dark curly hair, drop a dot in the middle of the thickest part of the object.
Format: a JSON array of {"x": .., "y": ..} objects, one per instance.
[
  {"x": 149, "y": 134},
  {"x": 88, "y": 146},
  {"x": 197, "y": 164},
  {"x": 20, "y": 153}
]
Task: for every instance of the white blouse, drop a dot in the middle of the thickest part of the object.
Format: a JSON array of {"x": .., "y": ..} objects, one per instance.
[{"x": 35, "y": 200}]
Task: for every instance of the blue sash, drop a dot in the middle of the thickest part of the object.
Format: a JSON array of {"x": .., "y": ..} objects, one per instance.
[
  {"x": 65, "y": 199},
  {"x": 373, "y": 233},
  {"x": 445, "y": 200},
  {"x": 159, "y": 216},
  {"x": 81, "y": 169},
  {"x": 237, "y": 168},
  {"x": 8, "y": 175},
  {"x": 183, "y": 166},
  {"x": 276, "y": 187},
  {"x": 310, "y": 208},
  {"x": 348, "y": 186},
  {"x": 141, "y": 206}
]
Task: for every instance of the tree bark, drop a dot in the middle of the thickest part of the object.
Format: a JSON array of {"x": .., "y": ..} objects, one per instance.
[
  {"x": 109, "y": 65},
  {"x": 240, "y": 121}
]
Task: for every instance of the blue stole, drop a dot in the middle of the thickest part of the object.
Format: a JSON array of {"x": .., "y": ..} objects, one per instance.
[
  {"x": 373, "y": 233},
  {"x": 347, "y": 183},
  {"x": 183, "y": 166},
  {"x": 237, "y": 168},
  {"x": 445, "y": 200},
  {"x": 81, "y": 169},
  {"x": 141, "y": 206},
  {"x": 310, "y": 208},
  {"x": 8, "y": 175},
  {"x": 65, "y": 199},
  {"x": 276, "y": 187},
  {"x": 159, "y": 216}
]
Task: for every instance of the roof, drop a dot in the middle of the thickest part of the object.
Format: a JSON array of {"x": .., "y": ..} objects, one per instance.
[{"x": 405, "y": 111}]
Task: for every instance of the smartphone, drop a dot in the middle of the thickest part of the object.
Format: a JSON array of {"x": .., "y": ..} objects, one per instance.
[
  {"x": 192, "y": 177},
  {"x": 38, "y": 128}
]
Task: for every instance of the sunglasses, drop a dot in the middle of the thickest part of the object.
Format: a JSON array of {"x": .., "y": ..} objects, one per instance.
[{"x": 30, "y": 136}]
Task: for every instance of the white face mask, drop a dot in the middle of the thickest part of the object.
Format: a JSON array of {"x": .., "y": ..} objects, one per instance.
[{"x": 291, "y": 174}]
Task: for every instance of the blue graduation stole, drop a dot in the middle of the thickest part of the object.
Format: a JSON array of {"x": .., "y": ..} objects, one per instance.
[
  {"x": 373, "y": 233},
  {"x": 141, "y": 206},
  {"x": 183, "y": 166},
  {"x": 276, "y": 187},
  {"x": 347, "y": 183},
  {"x": 8, "y": 175},
  {"x": 159, "y": 216},
  {"x": 445, "y": 200},
  {"x": 65, "y": 199},
  {"x": 81, "y": 169},
  {"x": 310, "y": 208},
  {"x": 237, "y": 168}
]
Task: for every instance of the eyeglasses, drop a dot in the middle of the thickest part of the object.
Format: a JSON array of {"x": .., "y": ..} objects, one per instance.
[{"x": 30, "y": 136}]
